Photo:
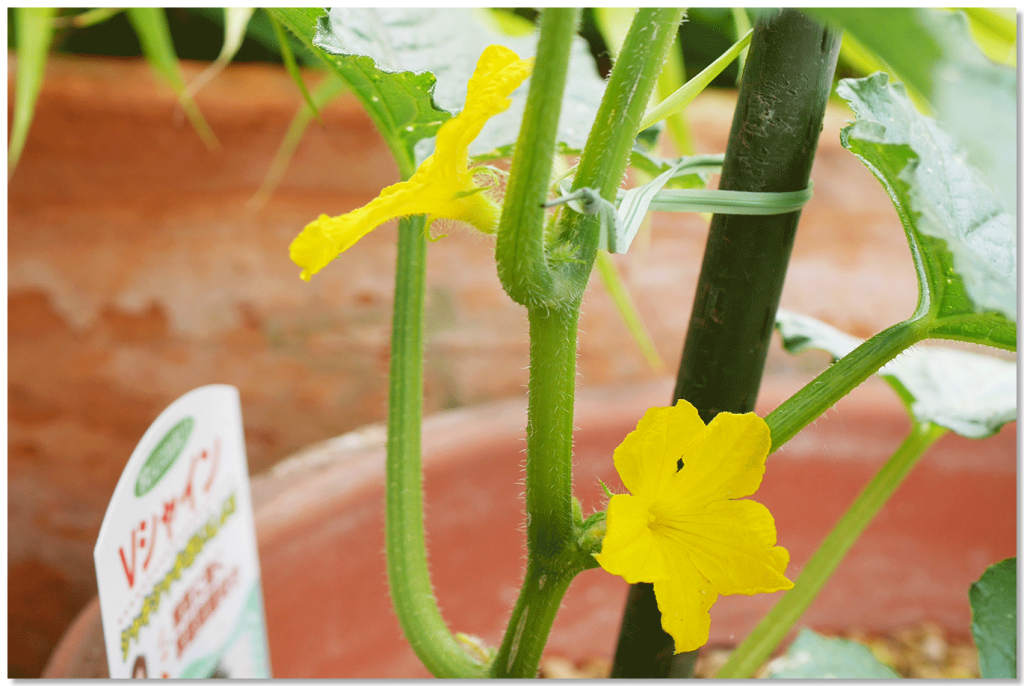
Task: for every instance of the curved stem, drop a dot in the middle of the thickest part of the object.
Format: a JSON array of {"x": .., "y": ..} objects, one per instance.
[
  {"x": 604, "y": 158},
  {"x": 544, "y": 276},
  {"x": 408, "y": 573},
  {"x": 811, "y": 401},
  {"x": 519, "y": 250},
  {"x": 756, "y": 648}
]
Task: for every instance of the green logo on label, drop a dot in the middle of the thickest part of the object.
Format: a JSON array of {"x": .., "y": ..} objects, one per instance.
[{"x": 163, "y": 456}]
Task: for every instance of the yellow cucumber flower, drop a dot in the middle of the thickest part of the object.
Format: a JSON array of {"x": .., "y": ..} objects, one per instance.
[
  {"x": 443, "y": 185},
  {"x": 682, "y": 529}
]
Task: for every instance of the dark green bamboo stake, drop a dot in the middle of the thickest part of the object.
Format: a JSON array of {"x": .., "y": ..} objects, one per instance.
[{"x": 786, "y": 83}]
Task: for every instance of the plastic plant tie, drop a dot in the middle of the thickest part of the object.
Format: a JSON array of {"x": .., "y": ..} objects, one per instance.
[{"x": 620, "y": 226}]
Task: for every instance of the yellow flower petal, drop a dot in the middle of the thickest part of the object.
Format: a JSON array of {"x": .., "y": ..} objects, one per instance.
[
  {"x": 629, "y": 548},
  {"x": 732, "y": 545},
  {"x": 726, "y": 461},
  {"x": 684, "y": 522},
  {"x": 442, "y": 186},
  {"x": 646, "y": 459},
  {"x": 684, "y": 600}
]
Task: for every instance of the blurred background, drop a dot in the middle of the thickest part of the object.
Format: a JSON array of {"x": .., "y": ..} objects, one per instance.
[{"x": 144, "y": 262}]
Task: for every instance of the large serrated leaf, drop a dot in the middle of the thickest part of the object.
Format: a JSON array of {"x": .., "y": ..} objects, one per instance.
[
  {"x": 813, "y": 656},
  {"x": 973, "y": 395},
  {"x": 399, "y": 103},
  {"x": 963, "y": 243},
  {"x": 933, "y": 52},
  {"x": 447, "y": 43},
  {"x": 994, "y": 620}
]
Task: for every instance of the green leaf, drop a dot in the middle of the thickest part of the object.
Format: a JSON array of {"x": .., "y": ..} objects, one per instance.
[
  {"x": 682, "y": 97},
  {"x": 399, "y": 103},
  {"x": 150, "y": 24},
  {"x": 812, "y": 656},
  {"x": 447, "y": 43},
  {"x": 994, "y": 620},
  {"x": 34, "y": 26},
  {"x": 995, "y": 32},
  {"x": 963, "y": 243},
  {"x": 973, "y": 395},
  {"x": 933, "y": 53},
  {"x": 288, "y": 57}
]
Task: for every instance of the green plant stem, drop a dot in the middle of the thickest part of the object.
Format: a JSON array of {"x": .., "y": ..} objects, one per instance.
[
  {"x": 519, "y": 249},
  {"x": 779, "y": 113},
  {"x": 811, "y": 401},
  {"x": 552, "y": 297},
  {"x": 552, "y": 394},
  {"x": 756, "y": 648},
  {"x": 408, "y": 573},
  {"x": 532, "y": 617},
  {"x": 604, "y": 158},
  {"x": 550, "y": 533},
  {"x": 533, "y": 273}
]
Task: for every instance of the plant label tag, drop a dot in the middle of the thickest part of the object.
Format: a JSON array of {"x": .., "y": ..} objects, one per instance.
[{"x": 176, "y": 560}]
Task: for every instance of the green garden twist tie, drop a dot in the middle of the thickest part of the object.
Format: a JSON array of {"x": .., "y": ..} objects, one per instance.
[{"x": 619, "y": 226}]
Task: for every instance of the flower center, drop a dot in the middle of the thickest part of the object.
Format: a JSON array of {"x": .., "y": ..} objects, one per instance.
[{"x": 655, "y": 519}]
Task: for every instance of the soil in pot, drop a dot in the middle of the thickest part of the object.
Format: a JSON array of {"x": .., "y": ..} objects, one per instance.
[{"x": 921, "y": 651}]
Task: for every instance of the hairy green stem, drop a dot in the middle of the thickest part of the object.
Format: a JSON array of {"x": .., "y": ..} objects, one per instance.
[
  {"x": 519, "y": 249},
  {"x": 532, "y": 617},
  {"x": 552, "y": 290},
  {"x": 811, "y": 401},
  {"x": 552, "y": 394},
  {"x": 542, "y": 275},
  {"x": 408, "y": 573},
  {"x": 611, "y": 138},
  {"x": 756, "y": 648}
]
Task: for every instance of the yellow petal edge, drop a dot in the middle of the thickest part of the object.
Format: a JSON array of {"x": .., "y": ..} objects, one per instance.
[
  {"x": 683, "y": 529},
  {"x": 442, "y": 186}
]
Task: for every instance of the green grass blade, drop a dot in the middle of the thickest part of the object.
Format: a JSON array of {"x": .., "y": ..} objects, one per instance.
[
  {"x": 685, "y": 95},
  {"x": 150, "y": 24},
  {"x": 329, "y": 88},
  {"x": 34, "y": 27},
  {"x": 236, "y": 21},
  {"x": 743, "y": 25},
  {"x": 612, "y": 281},
  {"x": 88, "y": 18},
  {"x": 293, "y": 68}
]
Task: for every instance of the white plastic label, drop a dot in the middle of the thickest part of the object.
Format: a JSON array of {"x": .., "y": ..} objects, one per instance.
[{"x": 176, "y": 559}]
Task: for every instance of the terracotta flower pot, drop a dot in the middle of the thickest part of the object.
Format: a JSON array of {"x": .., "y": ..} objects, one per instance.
[
  {"x": 320, "y": 527},
  {"x": 136, "y": 273}
]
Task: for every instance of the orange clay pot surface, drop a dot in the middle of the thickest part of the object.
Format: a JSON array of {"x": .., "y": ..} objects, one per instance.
[{"x": 320, "y": 525}]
